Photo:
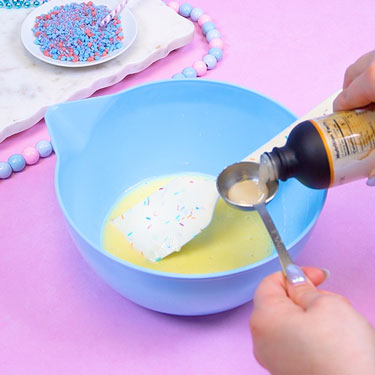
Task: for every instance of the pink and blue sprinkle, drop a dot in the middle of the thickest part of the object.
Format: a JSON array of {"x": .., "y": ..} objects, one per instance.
[{"x": 71, "y": 32}]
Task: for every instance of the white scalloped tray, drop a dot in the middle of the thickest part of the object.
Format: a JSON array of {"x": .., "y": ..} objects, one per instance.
[{"x": 29, "y": 86}]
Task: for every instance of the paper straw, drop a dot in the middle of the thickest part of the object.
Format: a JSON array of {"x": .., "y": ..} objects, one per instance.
[{"x": 113, "y": 13}]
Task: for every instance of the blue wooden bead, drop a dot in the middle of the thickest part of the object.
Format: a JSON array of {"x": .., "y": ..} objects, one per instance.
[
  {"x": 178, "y": 76},
  {"x": 189, "y": 72},
  {"x": 44, "y": 148},
  {"x": 5, "y": 170},
  {"x": 213, "y": 34},
  {"x": 17, "y": 162},
  {"x": 196, "y": 13},
  {"x": 185, "y": 9},
  {"x": 210, "y": 61},
  {"x": 208, "y": 26},
  {"x": 217, "y": 52}
]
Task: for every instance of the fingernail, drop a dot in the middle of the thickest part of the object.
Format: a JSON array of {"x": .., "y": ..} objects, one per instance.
[
  {"x": 295, "y": 274},
  {"x": 371, "y": 181},
  {"x": 327, "y": 274}
]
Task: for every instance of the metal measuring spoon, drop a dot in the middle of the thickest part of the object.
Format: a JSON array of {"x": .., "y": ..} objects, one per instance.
[{"x": 250, "y": 171}]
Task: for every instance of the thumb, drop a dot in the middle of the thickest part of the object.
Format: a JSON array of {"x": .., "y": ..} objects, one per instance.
[
  {"x": 371, "y": 178},
  {"x": 299, "y": 288}
]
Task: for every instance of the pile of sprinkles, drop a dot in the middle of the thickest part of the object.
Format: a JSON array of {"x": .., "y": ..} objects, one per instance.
[
  {"x": 30, "y": 156},
  {"x": 71, "y": 32}
]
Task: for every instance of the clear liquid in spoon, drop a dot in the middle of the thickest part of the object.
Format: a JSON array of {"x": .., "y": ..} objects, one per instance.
[{"x": 248, "y": 192}]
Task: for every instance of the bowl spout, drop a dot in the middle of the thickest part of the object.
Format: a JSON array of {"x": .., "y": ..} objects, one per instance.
[{"x": 70, "y": 129}]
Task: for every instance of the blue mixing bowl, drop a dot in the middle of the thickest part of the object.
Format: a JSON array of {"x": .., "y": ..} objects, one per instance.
[{"x": 106, "y": 144}]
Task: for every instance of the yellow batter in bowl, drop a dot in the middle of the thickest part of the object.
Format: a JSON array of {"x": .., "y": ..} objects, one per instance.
[{"x": 233, "y": 239}]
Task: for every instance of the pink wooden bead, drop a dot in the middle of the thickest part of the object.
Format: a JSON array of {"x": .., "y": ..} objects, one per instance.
[
  {"x": 216, "y": 42},
  {"x": 31, "y": 155},
  {"x": 203, "y": 19},
  {"x": 175, "y": 6},
  {"x": 201, "y": 68}
]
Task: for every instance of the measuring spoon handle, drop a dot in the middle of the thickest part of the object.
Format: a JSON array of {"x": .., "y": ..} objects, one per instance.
[{"x": 284, "y": 256}]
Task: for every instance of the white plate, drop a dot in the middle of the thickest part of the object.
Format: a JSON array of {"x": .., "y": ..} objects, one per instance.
[{"x": 128, "y": 22}]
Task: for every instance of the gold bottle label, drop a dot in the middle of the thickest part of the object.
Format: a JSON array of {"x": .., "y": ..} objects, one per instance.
[{"x": 349, "y": 139}]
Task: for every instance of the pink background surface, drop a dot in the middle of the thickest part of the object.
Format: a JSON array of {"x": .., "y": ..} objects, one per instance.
[{"x": 58, "y": 317}]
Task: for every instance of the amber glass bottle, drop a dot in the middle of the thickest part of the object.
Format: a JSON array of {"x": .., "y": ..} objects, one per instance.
[{"x": 326, "y": 151}]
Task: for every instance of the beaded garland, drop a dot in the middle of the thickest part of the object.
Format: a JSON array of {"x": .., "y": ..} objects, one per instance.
[
  {"x": 17, "y": 4},
  {"x": 31, "y": 155}
]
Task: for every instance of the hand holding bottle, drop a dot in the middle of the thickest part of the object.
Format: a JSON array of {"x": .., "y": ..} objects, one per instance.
[
  {"x": 298, "y": 329},
  {"x": 334, "y": 149},
  {"x": 358, "y": 90},
  {"x": 359, "y": 84}
]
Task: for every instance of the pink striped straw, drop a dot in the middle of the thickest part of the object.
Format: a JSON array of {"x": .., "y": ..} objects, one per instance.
[{"x": 113, "y": 13}]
